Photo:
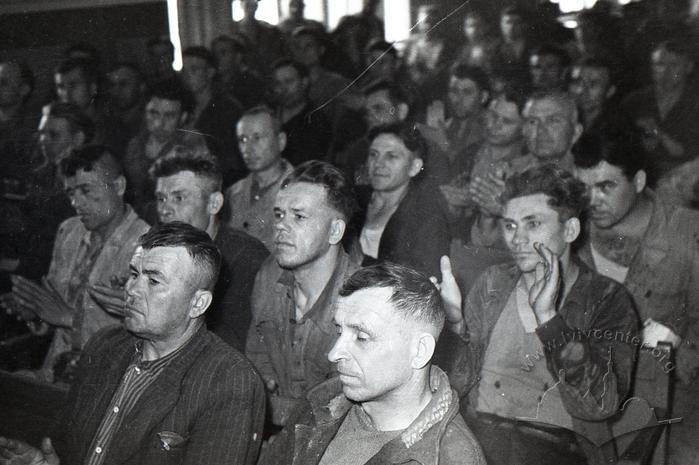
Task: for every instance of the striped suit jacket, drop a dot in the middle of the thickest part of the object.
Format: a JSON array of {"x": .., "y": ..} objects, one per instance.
[{"x": 209, "y": 397}]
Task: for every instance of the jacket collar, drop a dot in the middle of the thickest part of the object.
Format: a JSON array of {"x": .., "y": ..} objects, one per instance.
[{"x": 330, "y": 406}]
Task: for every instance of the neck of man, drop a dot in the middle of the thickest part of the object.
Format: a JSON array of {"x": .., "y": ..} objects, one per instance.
[
  {"x": 311, "y": 279},
  {"x": 104, "y": 232},
  {"x": 568, "y": 271},
  {"x": 269, "y": 176},
  {"x": 390, "y": 198},
  {"x": 289, "y": 111},
  {"x": 636, "y": 221},
  {"x": 154, "y": 349},
  {"x": 590, "y": 115},
  {"x": 400, "y": 408},
  {"x": 9, "y": 112}
]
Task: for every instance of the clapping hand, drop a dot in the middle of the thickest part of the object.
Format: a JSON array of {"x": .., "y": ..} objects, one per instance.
[
  {"x": 543, "y": 295},
  {"x": 486, "y": 193},
  {"x": 44, "y": 301},
  {"x": 111, "y": 298}
]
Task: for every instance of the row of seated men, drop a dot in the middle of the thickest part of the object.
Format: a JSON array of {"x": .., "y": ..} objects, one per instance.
[
  {"x": 567, "y": 331},
  {"x": 456, "y": 174}
]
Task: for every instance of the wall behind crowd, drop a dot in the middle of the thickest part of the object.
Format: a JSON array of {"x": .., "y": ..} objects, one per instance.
[{"x": 118, "y": 32}]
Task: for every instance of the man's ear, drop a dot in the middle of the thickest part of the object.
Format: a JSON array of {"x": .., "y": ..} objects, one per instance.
[
  {"x": 571, "y": 229},
  {"x": 120, "y": 185},
  {"x": 424, "y": 349},
  {"x": 215, "y": 203},
  {"x": 402, "y": 111},
  {"x": 416, "y": 167},
  {"x": 577, "y": 132},
  {"x": 337, "y": 230},
  {"x": 281, "y": 140},
  {"x": 639, "y": 181},
  {"x": 183, "y": 119},
  {"x": 200, "y": 303},
  {"x": 610, "y": 92},
  {"x": 484, "y": 96}
]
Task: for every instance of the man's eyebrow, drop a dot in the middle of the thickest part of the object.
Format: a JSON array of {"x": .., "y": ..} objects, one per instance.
[
  {"x": 155, "y": 274},
  {"x": 360, "y": 328}
]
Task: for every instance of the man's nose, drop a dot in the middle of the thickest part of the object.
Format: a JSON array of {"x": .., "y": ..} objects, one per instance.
[{"x": 337, "y": 352}]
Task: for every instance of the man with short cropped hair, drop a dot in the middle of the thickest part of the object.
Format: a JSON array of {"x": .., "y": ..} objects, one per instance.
[
  {"x": 93, "y": 247},
  {"x": 250, "y": 201},
  {"x": 532, "y": 359},
  {"x": 160, "y": 389},
  {"x": 295, "y": 293},
  {"x": 651, "y": 247},
  {"x": 389, "y": 404}
]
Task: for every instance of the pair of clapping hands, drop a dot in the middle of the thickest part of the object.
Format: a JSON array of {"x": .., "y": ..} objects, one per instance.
[
  {"x": 29, "y": 301},
  {"x": 483, "y": 191}
]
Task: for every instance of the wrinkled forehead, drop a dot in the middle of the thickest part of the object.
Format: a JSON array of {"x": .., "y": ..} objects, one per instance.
[
  {"x": 549, "y": 106},
  {"x": 370, "y": 307}
]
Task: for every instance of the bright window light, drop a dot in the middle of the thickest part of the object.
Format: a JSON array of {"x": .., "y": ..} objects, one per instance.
[
  {"x": 174, "y": 26},
  {"x": 568, "y": 6},
  {"x": 397, "y": 20}
]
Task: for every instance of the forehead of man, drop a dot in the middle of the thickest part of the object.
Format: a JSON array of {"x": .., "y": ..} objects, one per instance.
[
  {"x": 101, "y": 174},
  {"x": 369, "y": 310},
  {"x": 173, "y": 265},
  {"x": 391, "y": 143},
  {"x": 602, "y": 173},
  {"x": 184, "y": 181},
  {"x": 304, "y": 196},
  {"x": 597, "y": 74},
  {"x": 260, "y": 123},
  {"x": 504, "y": 108},
  {"x": 534, "y": 206},
  {"x": 549, "y": 106}
]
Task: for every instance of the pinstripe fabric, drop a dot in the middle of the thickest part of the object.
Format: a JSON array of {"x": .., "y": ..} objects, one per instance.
[
  {"x": 138, "y": 377},
  {"x": 205, "y": 407}
]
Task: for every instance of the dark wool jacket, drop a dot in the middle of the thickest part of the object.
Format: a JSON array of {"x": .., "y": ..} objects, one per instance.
[
  {"x": 596, "y": 307},
  {"x": 438, "y": 436},
  {"x": 209, "y": 395}
]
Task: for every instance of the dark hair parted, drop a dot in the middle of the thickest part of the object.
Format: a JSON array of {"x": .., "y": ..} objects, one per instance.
[
  {"x": 622, "y": 150},
  {"x": 338, "y": 188},
  {"x": 566, "y": 194},
  {"x": 91, "y": 157},
  {"x": 183, "y": 158},
  {"x": 199, "y": 245},
  {"x": 77, "y": 120},
  {"x": 175, "y": 91},
  {"x": 407, "y": 133},
  {"x": 413, "y": 294}
]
